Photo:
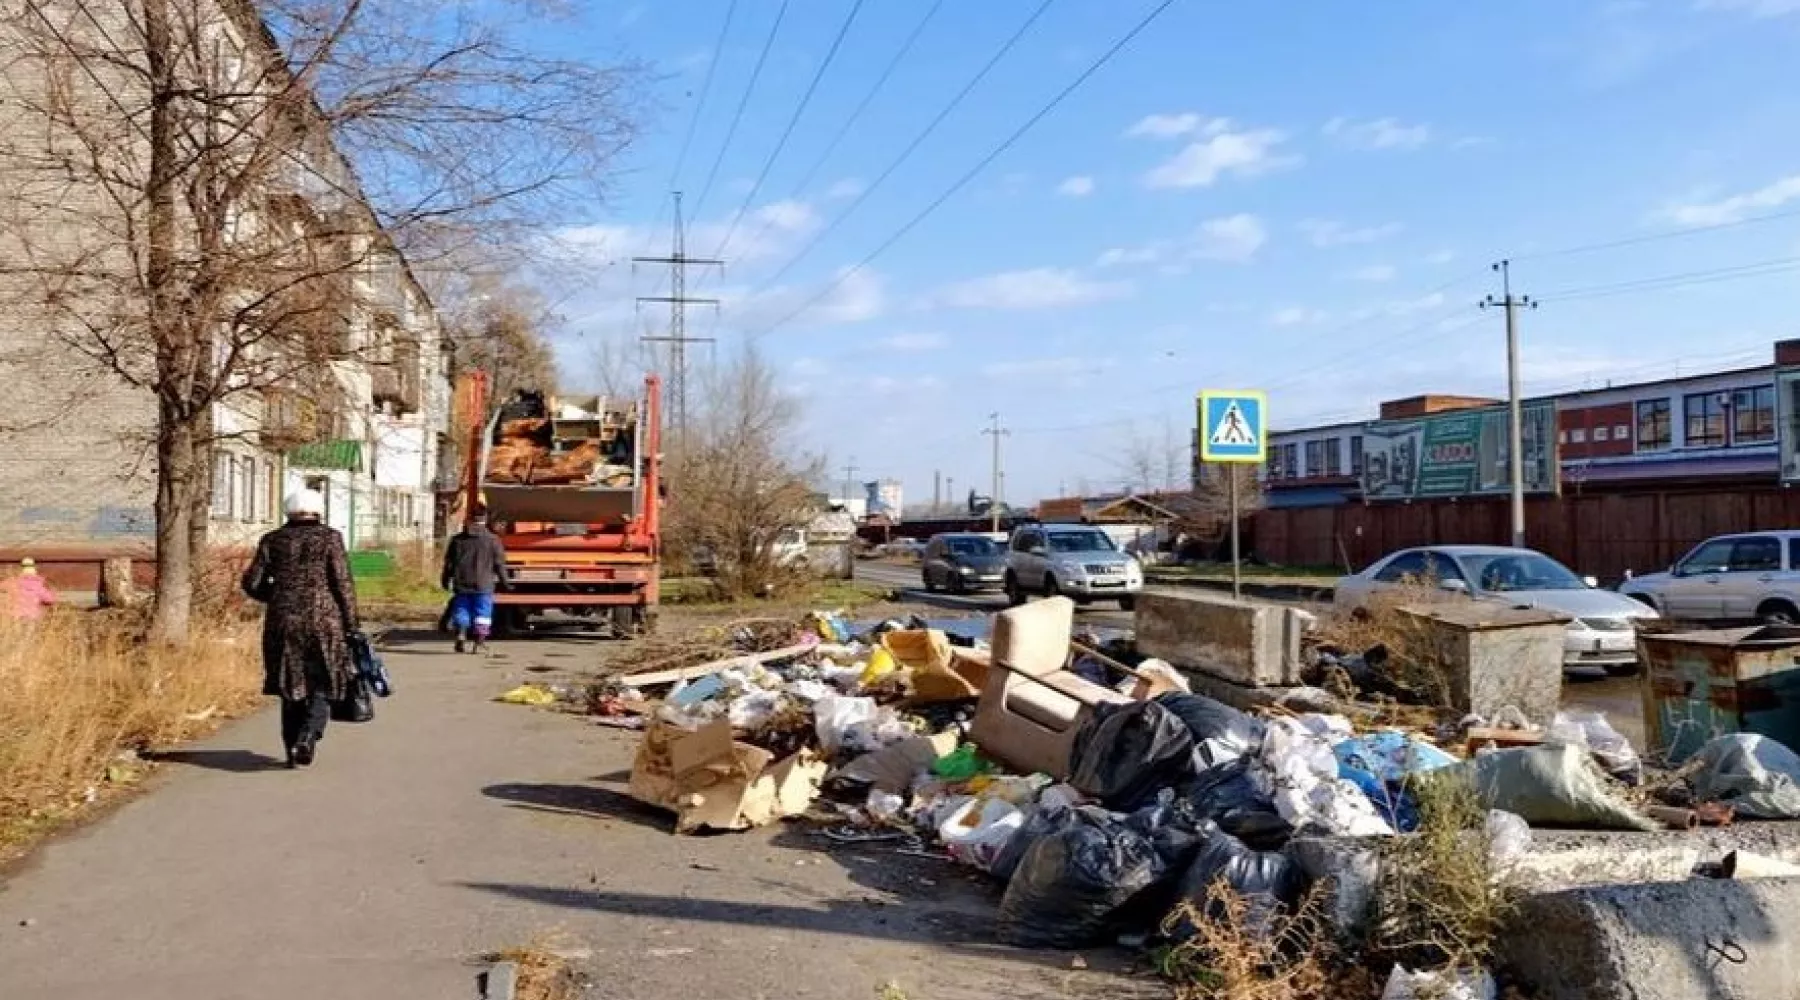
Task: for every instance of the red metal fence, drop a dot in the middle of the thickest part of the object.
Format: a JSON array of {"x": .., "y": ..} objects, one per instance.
[{"x": 1603, "y": 535}]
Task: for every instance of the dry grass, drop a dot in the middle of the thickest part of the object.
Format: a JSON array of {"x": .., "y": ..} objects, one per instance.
[
  {"x": 1439, "y": 902},
  {"x": 1240, "y": 953},
  {"x": 1414, "y": 663},
  {"x": 545, "y": 972},
  {"x": 80, "y": 692},
  {"x": 410, "y": 591}
]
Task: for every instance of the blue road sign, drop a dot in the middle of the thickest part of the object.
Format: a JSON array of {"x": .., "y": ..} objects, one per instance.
[{"x": 1233, "y": 426}]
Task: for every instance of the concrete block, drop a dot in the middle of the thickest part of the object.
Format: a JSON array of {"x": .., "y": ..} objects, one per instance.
[
  {"x": 1495, "y": 656},
  {"x": 1244, "y": 642},
  {"x": 1702, "y": 938},
  {"x": 501, "y": 981}
]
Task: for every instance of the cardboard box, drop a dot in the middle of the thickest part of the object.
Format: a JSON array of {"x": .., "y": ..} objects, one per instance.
[{"x": 713, "y": 782}]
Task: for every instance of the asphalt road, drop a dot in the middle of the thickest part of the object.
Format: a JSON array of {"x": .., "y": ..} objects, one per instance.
[
  {"x": 452, "y": 826},
  {"x": 906, "y": 580}
]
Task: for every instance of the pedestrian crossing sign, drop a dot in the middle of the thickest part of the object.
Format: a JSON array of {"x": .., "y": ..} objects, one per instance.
[{"x": 1233, "y": 426}]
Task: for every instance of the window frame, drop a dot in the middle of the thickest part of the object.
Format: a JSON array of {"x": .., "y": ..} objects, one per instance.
[
  {"x": 1334, "y": 457},
  {"x": 1728, "y": 544},
  {"x": 1653, "y": 408},
  {"x": 1710, "y": 410},
  {"x": 1356, "y": 455},
  {"x": 1763, "y": 393},
  {"x": 1757, "y": 540}
]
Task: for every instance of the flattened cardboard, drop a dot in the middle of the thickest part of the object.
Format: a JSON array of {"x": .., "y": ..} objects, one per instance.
[{"x": 711, "y": 782}]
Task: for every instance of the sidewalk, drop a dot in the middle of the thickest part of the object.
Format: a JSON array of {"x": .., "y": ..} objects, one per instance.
[{"x": 452, "y": 826}]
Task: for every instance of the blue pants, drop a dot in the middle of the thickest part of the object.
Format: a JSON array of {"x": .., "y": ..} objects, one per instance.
[{"x": 472, "y": 610}]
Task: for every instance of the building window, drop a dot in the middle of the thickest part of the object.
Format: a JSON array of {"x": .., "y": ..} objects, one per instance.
[
  {"x": 1562, "y": 437},
  {"x": 1315, "y": 459},
  {"x": 246, "y": 489},
  {"x": 1578, "y": 436},
  {"x": 1705, "y": 413},
  {"x": 1653, "y": 426},
  {"x": 271, "y": 492},
  {"x": 1753, "y": 415},
  {"x": 1602, "y": 433},
  {"x": 1334, "y": 458},
  {"x": 1621, "y": 432},
  {"x": 1290, "y": 461},
  {"x": 1274, "y": 467},
  {"x": 1356, "y": 458},
  {"x": 223, "y": 468}
]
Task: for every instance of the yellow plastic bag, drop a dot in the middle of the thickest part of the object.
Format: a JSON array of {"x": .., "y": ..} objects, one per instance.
[
  {"x": 528, "y": 694},
  {"x": 881, "y": 664}
]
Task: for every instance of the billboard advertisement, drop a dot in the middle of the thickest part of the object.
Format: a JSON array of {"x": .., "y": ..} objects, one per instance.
[
  {"x": 1455, "y": 454},
  {"x": 1787, "y": 422}
]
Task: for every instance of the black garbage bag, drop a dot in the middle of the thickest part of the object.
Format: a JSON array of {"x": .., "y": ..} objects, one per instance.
[
  {"x": 1039, "y": 823},
  {"x": 1221, "y": 733},
  {"x": 1268, "y": 881},
  {"x": 1125, "y": 753},
  {"x": 1070, "y": 884},
  {"x": 1227, "y": 795}
]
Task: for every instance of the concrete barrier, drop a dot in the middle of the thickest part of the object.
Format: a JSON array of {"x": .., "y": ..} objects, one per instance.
[
  {"x": 1702, "y": 938},
  {"x": 1244, "y": 642}
]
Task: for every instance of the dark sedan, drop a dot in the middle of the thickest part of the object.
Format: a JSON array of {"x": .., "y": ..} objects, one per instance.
[{"x": 963, "y": 562}]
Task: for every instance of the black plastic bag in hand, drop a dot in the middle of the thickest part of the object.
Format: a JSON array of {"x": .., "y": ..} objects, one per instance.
[{"x": 358, "y": 703}]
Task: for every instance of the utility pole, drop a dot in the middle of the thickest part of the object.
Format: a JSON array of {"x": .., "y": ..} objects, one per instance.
[
  {"x": 1515, "y": 436},
  {"x": 950, "y": 491},
  {"x": 997, "y": 432},
  {"x": 849, "y": 480},
  {"x": 937, "y": 490},
  {"x": 678, "y": 300}
]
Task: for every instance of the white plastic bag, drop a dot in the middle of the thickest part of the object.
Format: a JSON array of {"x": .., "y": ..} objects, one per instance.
[
  {"x": 835, "y": 715},
  {"x": 1298, "y": 770},
  {"x": 978, "y": 830},
  {"x": 884, "y": 807},
  {"x": 1588, "y": 728},
  {"x": 1440, "y": 985},
  {"x": 1509, "y": 840}
]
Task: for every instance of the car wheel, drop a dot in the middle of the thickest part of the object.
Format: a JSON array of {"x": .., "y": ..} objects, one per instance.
[
  {"x": 1014, "y": 595},
  {"x": 1127, "y": 603},
  {"x": 1778, "y": 613},
  {"x": 930, "y": 587},
  {"x": 955, "y": 584},
  {"x": 1050, "y": 587},
  {"x": 1621, "y": 669}
]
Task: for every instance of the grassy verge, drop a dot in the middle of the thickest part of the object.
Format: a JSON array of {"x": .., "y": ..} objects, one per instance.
[
  {"x": 79, "y": 693},
  {"x": 409, "y": 590}
]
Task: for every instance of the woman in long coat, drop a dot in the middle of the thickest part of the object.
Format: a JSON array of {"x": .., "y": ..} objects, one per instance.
[{"x": 302, "y": 573}]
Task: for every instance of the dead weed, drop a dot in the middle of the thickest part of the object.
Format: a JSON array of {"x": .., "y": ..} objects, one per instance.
[
  {"x": 1241, "y": 951},
  {"x": 1410, "y": 658},
  {"x": 545, "y": 971},
  {"x": 1440, "y": 902}
]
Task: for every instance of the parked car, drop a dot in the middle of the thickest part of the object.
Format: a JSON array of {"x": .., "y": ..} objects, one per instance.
[
  {"x": 1074, "y": 560},
  {"x": 904, "y": 548},
  {"x": 1753, "y": 577},
  {"x": 1603, "y": 631},
  {"x": 963, "y": 561}
]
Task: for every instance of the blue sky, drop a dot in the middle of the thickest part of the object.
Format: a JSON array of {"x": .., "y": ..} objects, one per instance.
[{"x": 1300, "y": 197}]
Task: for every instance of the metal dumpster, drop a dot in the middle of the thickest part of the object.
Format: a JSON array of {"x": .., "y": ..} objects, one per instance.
[{"x": 1698, "y": 685}]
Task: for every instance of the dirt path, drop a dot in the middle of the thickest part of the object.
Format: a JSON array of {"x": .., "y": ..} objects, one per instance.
[{"x": 453, "y": 825}]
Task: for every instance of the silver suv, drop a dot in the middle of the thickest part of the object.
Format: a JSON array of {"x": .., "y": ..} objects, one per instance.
[
  {"x": 1750, "y": 577},
  {"x": 1075, "y": 560}
]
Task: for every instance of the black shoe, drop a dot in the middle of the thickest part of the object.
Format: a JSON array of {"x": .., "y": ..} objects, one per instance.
[
  {"x": 304, "y": 752},
  {"x": 480, "y": 647},
  {"x": 292, "y": 763},
  {"x": 460, "y": 645}
]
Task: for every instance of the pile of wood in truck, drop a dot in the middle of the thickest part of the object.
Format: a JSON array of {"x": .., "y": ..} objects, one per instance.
[{"x": 524, "y": 454}]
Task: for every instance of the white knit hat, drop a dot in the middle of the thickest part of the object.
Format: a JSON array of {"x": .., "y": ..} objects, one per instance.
[{"x": 306, "y": 503}]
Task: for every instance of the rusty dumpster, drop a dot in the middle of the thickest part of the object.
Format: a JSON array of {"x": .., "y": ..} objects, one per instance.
[{"x": 1698, "y": 685}]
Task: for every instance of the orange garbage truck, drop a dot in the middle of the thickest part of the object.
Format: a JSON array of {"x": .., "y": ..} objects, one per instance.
[{"x": 573, "y": 488}]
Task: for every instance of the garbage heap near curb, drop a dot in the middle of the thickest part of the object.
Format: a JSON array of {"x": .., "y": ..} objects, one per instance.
[{"x": 1128, "y": 797}]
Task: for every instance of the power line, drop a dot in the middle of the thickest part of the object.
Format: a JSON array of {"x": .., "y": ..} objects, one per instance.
[
  {"x": 712, "y": 66},
  {"x": 678, "y": 300},
  {"x": 837, "y": 42},
  {"x": 1657, "y": 237},
  {"x": 737, "y": 116},
  {"x": 1678, "y": 280},
  {"x": 913, "y": 146},
  {"x": 862, "y": 106},
  {"x": 980, "y": 165}
]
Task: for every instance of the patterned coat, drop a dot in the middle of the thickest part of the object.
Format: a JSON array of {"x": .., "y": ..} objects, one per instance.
[{"x": 303, "y": 575}]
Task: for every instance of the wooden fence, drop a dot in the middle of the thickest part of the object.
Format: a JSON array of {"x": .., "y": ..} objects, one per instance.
[{"x": 1603, "y": 535}]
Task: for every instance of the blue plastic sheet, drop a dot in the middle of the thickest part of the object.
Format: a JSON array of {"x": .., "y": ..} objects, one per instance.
[{"x": 1379, "y": 764}]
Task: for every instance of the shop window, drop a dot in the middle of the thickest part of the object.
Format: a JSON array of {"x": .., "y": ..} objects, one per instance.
[{"x": 1654, "y": 432}]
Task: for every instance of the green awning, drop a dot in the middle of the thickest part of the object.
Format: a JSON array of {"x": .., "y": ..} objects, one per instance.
[{"x": 343, "y": 456}]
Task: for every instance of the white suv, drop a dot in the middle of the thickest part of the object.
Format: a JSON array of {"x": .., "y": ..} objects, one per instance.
[
  {"x": 1075, "y": 560},
  {"x": 1749, "y": 577}
]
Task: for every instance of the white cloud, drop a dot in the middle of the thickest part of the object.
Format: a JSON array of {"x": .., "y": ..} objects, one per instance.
[
  {"x": 1234, "y": 238},
  {"x": 1407, "y": 307},
  {"x": 809, "y": 367},
  {"x": 1378, "y": 133},
  {"x": 1754, "y": 8},
  {"x": 1374, "y": 273},
  {"x": 764, "y": 232},
  {"x": 1052, "y": 367},
  {"x": 1171, "y": 126},
  {"x": 857, "y": 297},
  {"x": 1440, "y": 257},
  {"x": 1296, "y": 316},
  {"x": 1120, "y": 256},
  {"x": 849, "y": 187},
  {"x": 1036, "y": 288},
  {"x": 1240, "y": 154},
  {"x": 1736, "y": 207},
  {"x": 888, "y": 385},
  {"x": 1076, "y": 187},
  {"x": 1332, "y": 233},
  {"x": 915, "y": 342}
]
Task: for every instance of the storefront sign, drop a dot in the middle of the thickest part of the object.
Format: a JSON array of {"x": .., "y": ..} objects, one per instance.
[{"x": 1462, "y": 453}]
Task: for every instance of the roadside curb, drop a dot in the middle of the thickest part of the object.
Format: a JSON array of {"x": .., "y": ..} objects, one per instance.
[
  {"x": 500, "y": 981},
  {"x": 1261, "y": 589}
]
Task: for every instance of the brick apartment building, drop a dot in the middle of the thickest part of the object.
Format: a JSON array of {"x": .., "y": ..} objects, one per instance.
[{"x": 77, "y": 456}]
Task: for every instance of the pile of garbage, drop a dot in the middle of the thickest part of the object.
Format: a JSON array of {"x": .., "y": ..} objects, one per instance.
[
  {"x": 580, "y": 446},
  {"x": 1164, "y": 793}
]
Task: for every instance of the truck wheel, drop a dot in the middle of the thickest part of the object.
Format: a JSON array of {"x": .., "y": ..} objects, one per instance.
[{"x": 625, "y": 620}]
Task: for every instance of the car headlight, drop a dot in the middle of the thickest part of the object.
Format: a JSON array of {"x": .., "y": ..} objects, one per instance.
[{"x": 966, "y": 570}]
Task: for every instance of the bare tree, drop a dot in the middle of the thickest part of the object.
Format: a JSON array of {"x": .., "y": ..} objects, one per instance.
[
  {"x": 1207, "y": 517},
  {"x": 1155, "y": 463},
  {"x": 210, "y": 200},
  {"x": 740, "y": 483},
  {"x": 500, "y": 328}
]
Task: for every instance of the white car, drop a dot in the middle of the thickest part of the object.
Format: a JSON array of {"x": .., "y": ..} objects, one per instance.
[
  {"x": 1603, "y": 629},
  {"x": 1750, "y": 577}
]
